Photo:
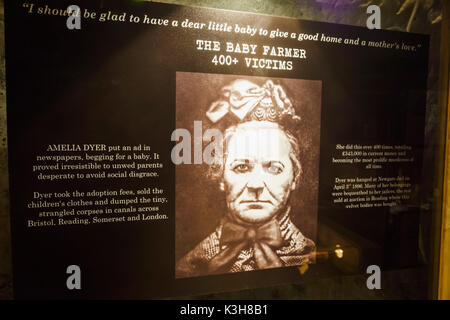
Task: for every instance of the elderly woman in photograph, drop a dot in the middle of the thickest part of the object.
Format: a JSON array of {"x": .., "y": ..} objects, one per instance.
[{"x": 259, "y": 171}]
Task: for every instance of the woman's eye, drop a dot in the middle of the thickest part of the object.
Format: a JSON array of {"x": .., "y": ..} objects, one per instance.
[
  {"x": 241, "y": 168},
  {"x": 274, "y": 168}
]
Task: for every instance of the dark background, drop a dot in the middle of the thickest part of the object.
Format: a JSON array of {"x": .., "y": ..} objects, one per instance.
[{"x": 114, "y": 83}]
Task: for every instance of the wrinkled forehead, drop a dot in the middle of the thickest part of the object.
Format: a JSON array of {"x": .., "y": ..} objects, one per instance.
[{"x": 258, "y": 140}]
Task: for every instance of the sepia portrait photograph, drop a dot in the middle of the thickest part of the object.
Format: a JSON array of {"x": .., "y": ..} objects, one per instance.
[{"x": 247, "y": 171}]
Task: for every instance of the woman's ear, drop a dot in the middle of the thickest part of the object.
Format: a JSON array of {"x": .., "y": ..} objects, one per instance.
[
  {"x": 222, "y": 186},
  {"x": 295, "y": 182},
  {"x": 293, "y": 185}
]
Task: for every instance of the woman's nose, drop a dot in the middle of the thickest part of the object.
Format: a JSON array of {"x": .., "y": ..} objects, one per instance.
[{"x": 256, "y": 179}]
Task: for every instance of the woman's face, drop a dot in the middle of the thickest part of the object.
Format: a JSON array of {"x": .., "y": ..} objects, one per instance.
[{"x": 258, "y": 174}]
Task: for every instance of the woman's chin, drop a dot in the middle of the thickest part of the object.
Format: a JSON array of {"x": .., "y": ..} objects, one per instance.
[{"x": 253, "y": 215}]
